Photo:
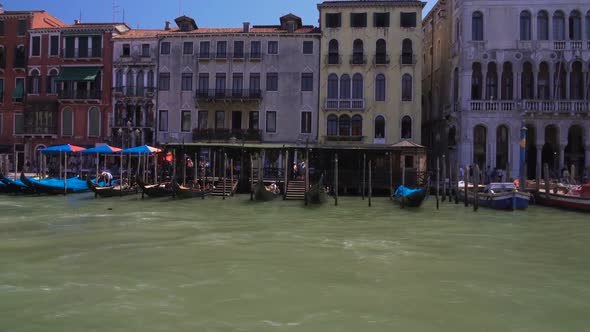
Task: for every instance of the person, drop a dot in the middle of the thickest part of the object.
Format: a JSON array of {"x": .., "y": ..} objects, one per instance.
[
  {"x": 488, "y": 175},
  {"x": 461, "y": 173},
  {"x": 303, "y": 168},
  {"x": 500, "y": 175},
  {"x": 295, "y": 170},
  {"x": 106, "y": 177}
]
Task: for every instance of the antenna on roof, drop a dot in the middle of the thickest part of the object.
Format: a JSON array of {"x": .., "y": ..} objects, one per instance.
[{"x": 80, "y": 17}]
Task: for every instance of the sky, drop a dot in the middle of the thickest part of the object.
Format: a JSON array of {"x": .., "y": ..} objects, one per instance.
[{"x": 151, "y": 14}]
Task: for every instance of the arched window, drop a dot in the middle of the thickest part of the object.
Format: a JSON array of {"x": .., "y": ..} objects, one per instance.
[
  {"x": 344, "y": 125},
  {"x": 51, "y": 81},
  {"x": 476, "y": 81},
  {"x": 559, "y": 81},
  {"x": 139, "y": 83},
  {"x": 577, "y": 81},
  {"x": 528, "y": 81},
  {"x": 332, "y": 125},
  {"x": 452, "y": 136},
  {"x": 2, "y": 57},
  {"x": 525, "y": 25},
  {"x": 118, "y": 80},
  {"x": 150, "y": 80},
  {"x": 502, "y": 134},
  {"x": 34, "y": 82},
  {"x": 479, "y": 145},
  {"x": 357, "y": 125},
  {"x": 345, "y": 86},
  {"x": 543, "y": 81},
  {"x": 379, "y": 127},
  {"x": 406, "y": 87},
  {"x": 332, "y": 86},
  {"x": 575, "y": 25},
  {"x": 558, "y": 25},
  {"x": 94, "y": 122},
  {"x": 507, "y": 81},
  {"x": 477, "y": 26},
  {"x": 357, "y": 52},
  {"x": 492, "y": 82},
  {"x": 407, "y": 52},
  {"x": 381, "y": 52},
  {"x": 129, "y": 83},
  {"x": 406, "y": 127},
  {"x": 380, "y": 87},
  {"x": 67, "y": 122},
  {"x": 333, "y": 54},
  {"x": 357, "y": 86},
  {"x": 543, "y": 25}
]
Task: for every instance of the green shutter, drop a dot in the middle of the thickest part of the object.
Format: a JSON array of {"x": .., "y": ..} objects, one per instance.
[
  {"x": 78, "y": 74},
  {"x": 66, "y": 124},
  {"x": 17, "y": 93}
]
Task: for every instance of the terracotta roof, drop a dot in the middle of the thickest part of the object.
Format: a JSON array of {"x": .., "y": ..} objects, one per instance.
[
  {"x": 140, "y": 33},
  {"x": 407, "y": 144},
  {"x": 45, "y": 20},
  {"x": 254, "y": 29}
]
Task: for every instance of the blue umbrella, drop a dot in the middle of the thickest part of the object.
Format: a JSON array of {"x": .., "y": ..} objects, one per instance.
[
  {"x": 103, "y": 149},
  {"x": 144, "y": 149},
  {"x": 63, "y": 148}
]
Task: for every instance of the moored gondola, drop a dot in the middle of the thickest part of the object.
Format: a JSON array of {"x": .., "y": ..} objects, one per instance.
[
  {"x": 15, "y": 186},
  {"x": 266, "y": 193},
  {"x": 180, "y": 191},
  {"x": 162, "y": 189},
  {"x": 410, "y": 197},
  {"x": 56, "y": 186},
  {"x": 111, "y": 191},
  {"x": 316, "y": 194}
]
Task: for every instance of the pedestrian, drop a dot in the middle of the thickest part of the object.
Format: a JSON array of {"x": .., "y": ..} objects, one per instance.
[
  {"x": 461, "y": 174},
  {"x": 295, "y": 170}
]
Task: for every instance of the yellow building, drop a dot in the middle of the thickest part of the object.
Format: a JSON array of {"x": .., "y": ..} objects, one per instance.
[{"x": 370, "y": 74}]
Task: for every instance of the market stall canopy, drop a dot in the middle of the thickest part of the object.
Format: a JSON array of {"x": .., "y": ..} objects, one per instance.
[
  {"x": 103, "y": 149},
  {"x": 63, "y": 148},
  {"x": 78, "y": 74},
  {"x": 144, "y": 149}
]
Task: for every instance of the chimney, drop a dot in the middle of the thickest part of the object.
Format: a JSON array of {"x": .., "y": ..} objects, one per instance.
[
  {"x": 167, "y": 26},
  {"x": 246, "y": 27},
  {"x": 76, "y": 22}
]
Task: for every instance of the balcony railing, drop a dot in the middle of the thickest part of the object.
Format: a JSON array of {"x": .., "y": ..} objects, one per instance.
[
  {"x": 333, "y": 59},
  {"x": 407, "y": 59},
  {"x": 381, "y": 59},
  {"x": 79, "y": 94},
  {"x": 210, "y": 134},
  {"x": 556, "y": 45},
  {"x": 345, "y": 104},
  {"x": 39, "y": 130},
  {"x": 229, "y": 94},
  {"x": 133, "y": 91},
  {"x": 530, "y": 106},
  {"x": 230, "y": 56},
  {"x": 483, "y": 105},
  {"x": 358, "y": 59},
  {"x": 81, "y": 53}
]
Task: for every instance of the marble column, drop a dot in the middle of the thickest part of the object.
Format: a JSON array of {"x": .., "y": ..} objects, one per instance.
[
  {"x": 516, "y": 83},
  {"x": 484, "y": 88},
  {"x": 567, "y": 84}
]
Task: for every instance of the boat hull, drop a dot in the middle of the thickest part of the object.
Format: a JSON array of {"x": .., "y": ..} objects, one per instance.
[
  {"x": 262, "y": 194},
  {"x": 412, "y": 200},
  {"x": 111, "y": 191},
  {"x": 52, "y": 189},
  {"x": 502, "y": 201},
  {"x": 563, "y": 201},
  {"x": 156, "y": 190},
  {"x": 184, "y": 192}
]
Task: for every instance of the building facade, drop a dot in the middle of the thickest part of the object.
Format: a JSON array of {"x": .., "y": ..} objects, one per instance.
[
  {"x": 370, "y": 76},
  {"x": 529, "y": 71},
  {"x": 254, "y": 83}
]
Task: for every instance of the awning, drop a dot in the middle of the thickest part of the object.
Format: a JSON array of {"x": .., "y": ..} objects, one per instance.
[
  {"x": 78, "y": 74},
  {"x": 18, "y": 89}
]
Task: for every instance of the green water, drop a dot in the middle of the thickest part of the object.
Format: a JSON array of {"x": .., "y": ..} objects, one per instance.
[{"x": 77, "y": 263}]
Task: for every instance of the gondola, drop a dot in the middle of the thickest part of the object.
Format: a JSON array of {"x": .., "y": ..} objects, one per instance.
[
  {"x": 15, "y": 186},
  {"x": 56, "y": 186},
  {"x": 573, "y": 198},
  {"x": 499, "y": 196},
  {"x": 410, "y": 197},
  {"x": 316, "y": 194},
  {"x": 264, "y": 193},
  {"x": 180, "y": 191},
  {"x": 111, "y": 191},
  {"x": 162, "y": 189}
]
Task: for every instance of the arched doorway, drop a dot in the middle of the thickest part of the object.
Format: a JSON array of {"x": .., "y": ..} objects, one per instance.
[
  {"x": 531, "y": 152},
  {"x": 502, "y": 150},
  {"x": 550, "y": 154},
  {"x": 574, "y": 151},
  {"x": 479, "y": 146}
]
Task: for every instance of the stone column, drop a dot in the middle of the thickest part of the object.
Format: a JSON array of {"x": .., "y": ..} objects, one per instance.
[
  {"x": 561, "y": 153},
  {"x": 539, "y": 148},
  {"x": 567, "y": 84},
  {"x": 484, "y": 87}
]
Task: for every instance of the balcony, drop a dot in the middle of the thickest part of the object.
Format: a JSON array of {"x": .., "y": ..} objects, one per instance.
[
  {"x": 79, "y": 94},
  {"x": 136, "y": 59},
  {"x": 243, "y": 56},
  {"x": 407, "y": 59},
  {"x": 492, "y": 105},
  {"x": 381, "y": 59},
  {"x": 531, "y": 106},
  {"x": 333, "y": 59},
  {"x": 345, "y": 104},
  {"x": 211, "y": 134},
  {"x": 133, "y": 91},
  {"x": 81, "y": 53},
  {"x": 358, "y": 59},
  {"x": 231, "y": 94},
  {"x": 555, "y": 45}
]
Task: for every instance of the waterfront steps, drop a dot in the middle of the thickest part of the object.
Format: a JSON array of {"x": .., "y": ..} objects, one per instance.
[{"x": 295, "y": 190}]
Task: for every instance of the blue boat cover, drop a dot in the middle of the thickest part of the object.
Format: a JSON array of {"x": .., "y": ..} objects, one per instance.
[
  {"x": 15, "y": 182},
  {"x": 402, "y": 191},
  {"x": 74, "y": 183}
]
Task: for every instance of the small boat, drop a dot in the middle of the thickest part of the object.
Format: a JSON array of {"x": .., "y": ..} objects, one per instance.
[
  {"x": 111, "y": 191},
  {"x": 266, "y": 193},
  {"x": 15, "y": 186},
  {"x": 410, "y": 197},
  {"x": 573, "y": 198},
  {"x": 162, "y": 189},
  {"x": 499, "y": 196},
  {"x": 317, "y": 193},
  {"x": 55, "y": 186},
  {"x": 180, "y": 191}
]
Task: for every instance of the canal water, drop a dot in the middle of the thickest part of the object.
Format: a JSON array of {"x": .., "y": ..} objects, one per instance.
[{"x": 77, "y": 263}]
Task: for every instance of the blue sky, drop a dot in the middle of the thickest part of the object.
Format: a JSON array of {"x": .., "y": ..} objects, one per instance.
[{"x": 152, "y": 14}]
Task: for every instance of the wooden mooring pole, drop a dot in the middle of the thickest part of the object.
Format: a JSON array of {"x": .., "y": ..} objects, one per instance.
[
  {"x": 466, "y": 186},
  {"x": 370, "y": 181},
  {"x": 336, "y": 179},
  {"x": 437, "y": 181},
  {"x": 476, "y": 188},
  {"x": 364, "y": 172},
  {"x": 456, "y": 183},
  {"x": 444, "y": 178},
  {"x": 251, "y": 178}
]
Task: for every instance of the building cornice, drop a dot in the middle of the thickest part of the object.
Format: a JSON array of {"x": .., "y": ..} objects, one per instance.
[{"x": 371, "y": 4}]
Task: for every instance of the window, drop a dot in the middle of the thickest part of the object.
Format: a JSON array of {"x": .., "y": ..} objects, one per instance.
[
  {"x": 253, "y": 120},
  {"x": 150, "y": 79},
  {"x": 34, "y": 83},
  {"x": 477, "y": 26},
  {"x": 332, "y": 122},
  {"x": 67, "y": 122},
  {"x": 358, "y": 20},
  {"x": 164, "y": 82},
  {"x": 357, "y": 125},
  {"x": 333, "y": 20},
  {"x": 70, "y": 48},
  {"x": 406, "y": 87},
  {"x": 237, "y": 84},
  {"x": 357, "y": 86},
  {"x": 344, "y": 125},
  {"x": 307, "y": 47},
  {"x": 273, "y": 47},
  {"x": 22, "y": 28},
  {"x": 96, "y": 46},
  {"x": 187, "y": 82},
  {"x": 165, "y": 48},
  {"x": 203, "y": 119},
  {"x": 306, "y": 122},
  {"x": 94, "y": 122},
  {"x": 406, "y": 127},
  {"x": 187, "y": 48},
  {"x": 542, "y": 25},
  {"x": 36, "y": 46},
  {"x": 492, "y": 82},
  {"x": 239, "y": 49},
  {"x": 588, "y": 25},
  {"x": 1, "y": 123},
  {"x": 163, "y": 121},
  {"x": 203, "y": 84},
  {"x": 185, "y": 121},
  {"x": 271, "y": 122},
  {"x": 19, "y": 90},
  {"x": 333, "y": 53},
  {"x": 126, "y": 50},
  {"x": 381, "y": 52},
  {"x": 381, "y": 20},
  {"x": 1, "y": 93},
  {"x": 51, "y": 83},
  {"x": 307, "y": 82},
  {"x": 408, "y": 20},
  {"x": 221, "y": 49},
  {"x": 204, "y": 50},
  {"x": 358, "y": 56},
  {"x": 476, "y": 81},
  {"x": 332, "y": 86},
  {"x": 379, "y": 127},
  {"x": 254, "y": 83},
  {"x": 380, "y": 87},
  {"x": 558, "y": 26},
  {"x": 145, "y": 50},
  {"x": 272, "y": 82},
  {"x": 220, "y": 84},
  {"x": 525, "y": 25},
  {"x": 345, "y": 87},
  {"x": 408, "y": 52},
  {"x": 139, "y": 83},
  {"x": 1, "y": 28},
  {"x": 219, "y": 119},
  {"x": 255, "y": 50},
  {"x": 54, "y": 46},
  {"x": 20, "y": 56},
  {"x": 575, "y": 25}
]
